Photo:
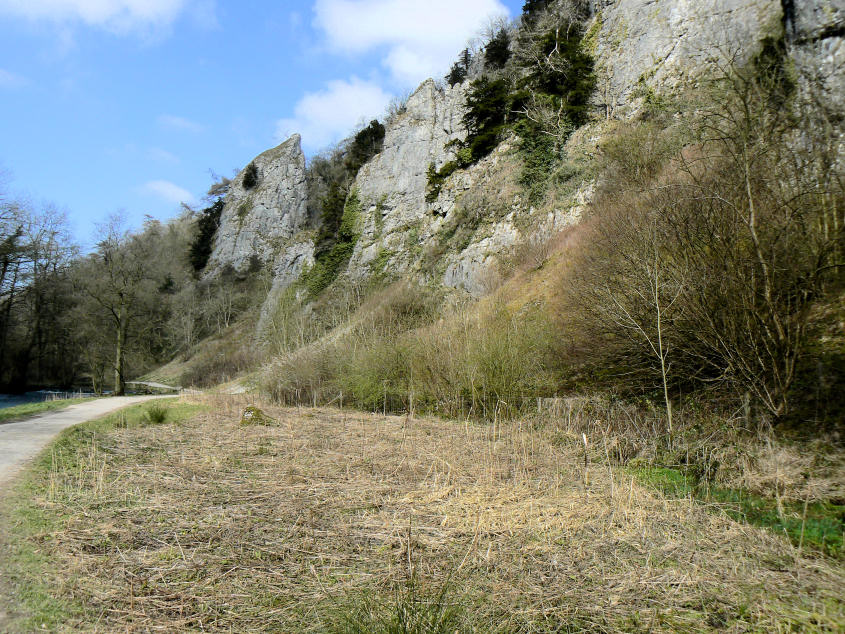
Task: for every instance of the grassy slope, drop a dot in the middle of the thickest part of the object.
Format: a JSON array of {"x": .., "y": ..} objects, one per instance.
[
  {"x": 19, "y": 412},
  {"x": 337, "y": 521}
]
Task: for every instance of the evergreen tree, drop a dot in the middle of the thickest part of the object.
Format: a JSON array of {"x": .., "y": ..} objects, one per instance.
[
  {"x": 498, "y": 52},
  {"x": 487, "y": 110},
  {"x": 466, "y": 59},
  {"x": 250, "y": 176},
  {"x": 365, "y": 145},
  {"x": 456, "y": 75},
  {"x": 207, "y": 225},
  {"x": 532, "y": 8}
]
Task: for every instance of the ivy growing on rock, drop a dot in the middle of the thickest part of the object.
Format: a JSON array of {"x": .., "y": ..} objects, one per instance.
[
  {"x": 538, "y": 85},
  {"x": 330, "y": 261},
  {"x": 330, "y": 180}
]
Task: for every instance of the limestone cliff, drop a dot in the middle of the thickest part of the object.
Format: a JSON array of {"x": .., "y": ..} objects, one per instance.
[
  {"x": 816, "y": 31},
  {"x": 457, "y": 235},
  {"x": 663, "y": 45},
  {"x": 397, "y": 220},
  {"x": 263, "y": 220}
]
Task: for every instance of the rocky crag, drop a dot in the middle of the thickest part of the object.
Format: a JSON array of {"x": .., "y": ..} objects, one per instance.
[
  {"x": 457, "y": 235},
  {"x": 265, "y": 221}
]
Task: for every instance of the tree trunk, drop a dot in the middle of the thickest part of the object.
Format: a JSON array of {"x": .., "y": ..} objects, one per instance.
[{"x": 120, "y": 354}]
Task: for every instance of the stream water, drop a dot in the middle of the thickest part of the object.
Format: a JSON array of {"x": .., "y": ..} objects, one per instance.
[{"x": 11, "y": 400}]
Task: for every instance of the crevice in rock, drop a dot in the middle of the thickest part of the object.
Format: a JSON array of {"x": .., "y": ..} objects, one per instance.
[
  {"x": 790, "y": 27},
  {"x": 788, "y": 7},
  {"x": 836, "y": 30}
]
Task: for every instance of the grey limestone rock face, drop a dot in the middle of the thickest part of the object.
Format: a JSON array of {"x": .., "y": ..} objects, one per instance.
[
  {"x": 265, "y": 220},
  {"x": 661, "y": 45},
  {"x": 814, "y": 19},
  {"x": 816, "y": 31},
  {"x": 640, "y": 46},
  {"x": 392, "y": 186}
]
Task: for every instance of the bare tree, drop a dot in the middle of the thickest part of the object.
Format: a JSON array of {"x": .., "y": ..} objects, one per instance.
[
  {"x": 721, "y": 252},
  {"x": 113, "y": 277}
]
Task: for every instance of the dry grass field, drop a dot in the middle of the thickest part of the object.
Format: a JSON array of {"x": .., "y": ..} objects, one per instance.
[{"x": 331, "y": 520}]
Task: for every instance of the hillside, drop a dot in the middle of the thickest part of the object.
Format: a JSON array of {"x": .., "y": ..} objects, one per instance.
[
  {"x": 556, "y": 344},
  {"x": 532, "y": 149}
]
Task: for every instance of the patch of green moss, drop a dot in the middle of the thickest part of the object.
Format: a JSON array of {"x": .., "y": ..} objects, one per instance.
[
  {"x": 243, "y": 211},
  {"x": 381, "y": 262},
  {"x": 437, "y": 177},
  {"x": 378, "y": 220},
  {"x": 590, "y": 41}
]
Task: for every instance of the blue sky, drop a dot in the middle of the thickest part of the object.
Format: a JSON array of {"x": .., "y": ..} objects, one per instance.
[{"x": 127, "y": 105}]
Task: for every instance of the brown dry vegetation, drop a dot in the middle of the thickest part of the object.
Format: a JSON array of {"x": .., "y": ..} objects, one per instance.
[{"x": 331, "y": 520}]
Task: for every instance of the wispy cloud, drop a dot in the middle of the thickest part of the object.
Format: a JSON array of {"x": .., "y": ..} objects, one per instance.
[
  {"x": 162, "y": 156},
  {"x": 114, "y": 15},
  {"x": 326, "y": 116},
  {"x": 11, "y": 80},
  {"x": 180, "y": 124},
  {"x": 420, "y": 38},
  {"x": 167, "y": 191}
]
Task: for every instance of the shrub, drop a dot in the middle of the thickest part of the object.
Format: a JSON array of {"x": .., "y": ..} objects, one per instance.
[
  {"x": 250, "y": 179},
  {"x": 709, "y": 268},
  {"x": 156, "y": 413},
  {"x": 566, "y": 70},
  {"x": 395, "y": 358}
]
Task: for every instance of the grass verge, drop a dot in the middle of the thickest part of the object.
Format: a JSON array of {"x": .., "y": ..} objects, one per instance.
[
  {"x": 36, "y": 511},
  {"x": 18, "y": 412},
  {"x": 816, "y": 526}
]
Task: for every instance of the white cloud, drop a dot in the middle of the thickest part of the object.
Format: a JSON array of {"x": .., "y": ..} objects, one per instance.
[
  {"x": 162, "y": 156},
  {"x": 114, "y": 15},
  {"x": 327, "y": 116},
  {"x": 11, "y": 80},
  {"x": 180, "y": 124},
  {"x": 168, "y": 191},
  {"x": 422, "y": 38}
]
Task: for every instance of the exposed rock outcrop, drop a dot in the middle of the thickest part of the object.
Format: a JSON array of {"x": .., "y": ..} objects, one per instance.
[
  {"x": 642, "y": 48},
  {"x": 816, "y": 31},
  {"x": 263, "y": 223},
  {"x": 662, "y": 45},
  {"x": 396, "y": 218}
]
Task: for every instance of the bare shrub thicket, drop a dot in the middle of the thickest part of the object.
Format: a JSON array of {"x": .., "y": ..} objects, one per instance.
[
  {"x": 398, "y": 356},
  {"x": 705, "y": 263}
]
